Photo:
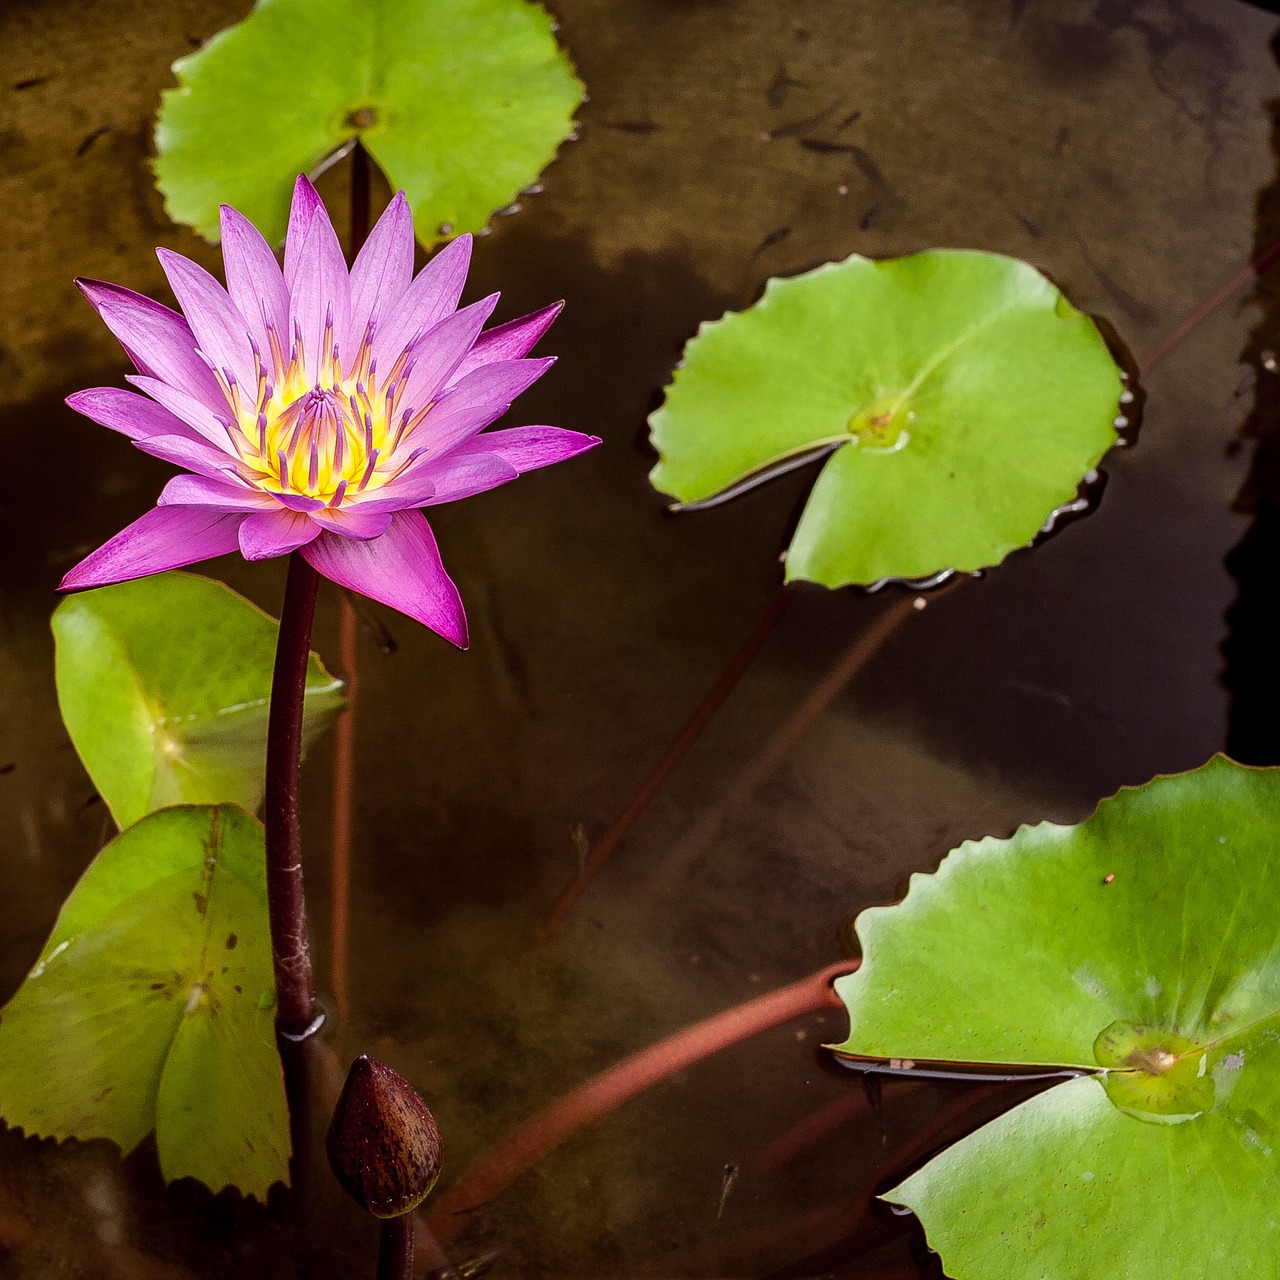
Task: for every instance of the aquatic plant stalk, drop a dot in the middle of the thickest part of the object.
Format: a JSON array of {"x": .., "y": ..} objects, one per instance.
[
  {"x": 544, "y": 1132},
  {"x": 725, "y": 683},
  {"x": 295, "y": 1002},
  {"x": 344, "y": 745}
]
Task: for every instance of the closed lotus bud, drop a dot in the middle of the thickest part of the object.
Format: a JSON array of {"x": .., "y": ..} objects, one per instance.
[{"x": 383, "y": 1144}]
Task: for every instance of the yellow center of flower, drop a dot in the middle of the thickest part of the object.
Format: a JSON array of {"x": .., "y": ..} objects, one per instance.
[{"x": 322, "y": 436}]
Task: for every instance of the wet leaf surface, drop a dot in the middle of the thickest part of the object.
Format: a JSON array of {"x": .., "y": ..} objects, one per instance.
[
  {"x": 462, "y": 103},
  {"x": 1140, "y": 946},
  {"x": 963, "y": 397},
  {"x": 152, "y": 1006},
  {"x": 164, "y": 685}
]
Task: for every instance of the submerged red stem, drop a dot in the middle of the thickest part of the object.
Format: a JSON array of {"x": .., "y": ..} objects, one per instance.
[
  {"x": 692, "y": 731},
  {"x": 544, "y": 1132}
]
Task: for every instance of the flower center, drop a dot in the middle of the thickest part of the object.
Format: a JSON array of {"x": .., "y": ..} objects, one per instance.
[{"x": 322, "y": 434}]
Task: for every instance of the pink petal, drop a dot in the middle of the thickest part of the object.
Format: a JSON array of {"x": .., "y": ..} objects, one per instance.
[
  {"x": 306, "y": 200},
  {"x": 206, "y": 491},
  {"x": 298, "y": 501},
  {"x": 182, "y": 451},
  {"x": 431, "y": 297},
  {"x": 221, "y": 332},
  {"x": 320, "y": 291},
  {"x": 509, "y": 341},
  {"x": 382, "y": 271},
  {"x": 195, "y": 413},
  {"x": 451, "y": 478},
  {"x": 437, "y": 353},
  {"x": 401, "y": 569},
  {"x": 497, "y": 383},
  {"x": 359, "y": 522},
  {"x": 131, "y": 415},
  {"x": 253, "y": 278},
  {"x": 164, "y": 538},
  {"x": 275, "y": 533},
  {"x": 158, "y": 341},
  {"x": 527, "y": 448},
  {"x": 446, "y": 427}
]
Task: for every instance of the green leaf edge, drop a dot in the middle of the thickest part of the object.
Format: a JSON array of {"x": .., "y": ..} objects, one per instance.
[
  {"x": 210, "y": 229},
  {"x": 320, "y": 682},
  {"x": 51, "y": 945},
  {"x": 773, "y": 286}
]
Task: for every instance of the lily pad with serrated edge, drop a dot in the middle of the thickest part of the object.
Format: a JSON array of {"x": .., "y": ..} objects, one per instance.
[
  {"x": 152, "y": 1006},
  {"x": 963, "y": 400},
  {"x": 461, "y": 102},
  {"x": 1141, "y": 947},
  {"x": 165, "y": 684}
]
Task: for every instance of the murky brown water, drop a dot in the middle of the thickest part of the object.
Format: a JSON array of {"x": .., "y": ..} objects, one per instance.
[{"x": 1118, "y": 144}]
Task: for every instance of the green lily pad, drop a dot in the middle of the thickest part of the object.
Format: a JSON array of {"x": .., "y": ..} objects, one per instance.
[
  {"x": 1142, "y": 948},
  {"x": 152, "y": 1006},
  {"x": 165, "y": 684},
  {"x": 462, "y": 103},
  {"x": 962, "y": 398}
]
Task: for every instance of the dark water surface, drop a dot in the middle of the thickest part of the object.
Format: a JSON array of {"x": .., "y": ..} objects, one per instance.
[{"x": 1120, "y": 145}]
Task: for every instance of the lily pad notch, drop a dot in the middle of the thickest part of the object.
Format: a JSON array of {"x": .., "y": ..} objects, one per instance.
[
  {"x": 962, "y": 400},
  {"x": 462, "y": 103}
]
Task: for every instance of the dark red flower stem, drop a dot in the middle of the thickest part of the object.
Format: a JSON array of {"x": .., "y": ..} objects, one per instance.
[
  {"x": 295, "y": 1000},
  {"x": 344, "y": 747},
  {"x": 395, "y": 1249}
]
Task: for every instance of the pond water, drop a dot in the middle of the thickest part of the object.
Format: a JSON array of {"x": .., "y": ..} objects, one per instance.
[{"x": 1123, "y": 146}]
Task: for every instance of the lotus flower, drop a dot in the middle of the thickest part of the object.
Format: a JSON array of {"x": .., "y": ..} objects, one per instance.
[{"x": 318, "y": 410}]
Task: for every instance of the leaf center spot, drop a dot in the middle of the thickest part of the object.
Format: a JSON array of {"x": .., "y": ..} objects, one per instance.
[
  {"x": 362, "y": 117},
  {"x": 883, "y": 425},
  {"x": 1153, "y": 1074}
]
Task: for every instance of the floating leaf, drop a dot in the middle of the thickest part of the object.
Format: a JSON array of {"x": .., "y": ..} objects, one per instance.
[
  {"x": 1141, "y": 945},
  {"x": 152, "y": 1006},
  {"x": 462, "y": 103},
  {"x": 165, "y": 683},
  {"x": 962, "y": 398}
]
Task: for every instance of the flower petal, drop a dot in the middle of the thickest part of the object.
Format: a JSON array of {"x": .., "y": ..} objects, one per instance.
[
  {"x": 431, "y": 297},
  {"x": 497, "y": 383},
  {"x": 509, "y": 341},
  {"x": 164, "y": 538},
  {"x": 401, "y": 569},
  {"x": 306, "y": 200},
  {"x": 182, "y": 451},
  {"x": 133, "y": 416},
  {"x": 527, "y": 448},
  {"x": 221, "y": 332},
  {"x": 445, "y": 428},
  {"x": 254, "y": 280},
  {"x": 437, "y": 353},
  {"x": 382, "y": 270},
  {"x": 446, "y": 480},
  {"x": 206, "y": 491},
  {"x": 275, "y": 533},
  {"x": 195, "y": 413},
  {"x": 359, "y": 522},
  {"x": 320, "y": 292},
  {"x": 158, "y": 341}
]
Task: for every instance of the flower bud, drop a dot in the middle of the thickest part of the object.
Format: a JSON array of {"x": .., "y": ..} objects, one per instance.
[{"x": 383, "y": 1144}]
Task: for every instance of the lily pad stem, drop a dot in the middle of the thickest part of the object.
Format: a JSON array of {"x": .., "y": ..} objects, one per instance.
[{"x": 287, "y": 907}]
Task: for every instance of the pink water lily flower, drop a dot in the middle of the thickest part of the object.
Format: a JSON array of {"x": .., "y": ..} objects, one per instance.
[{"x": 318, "y": 410}]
